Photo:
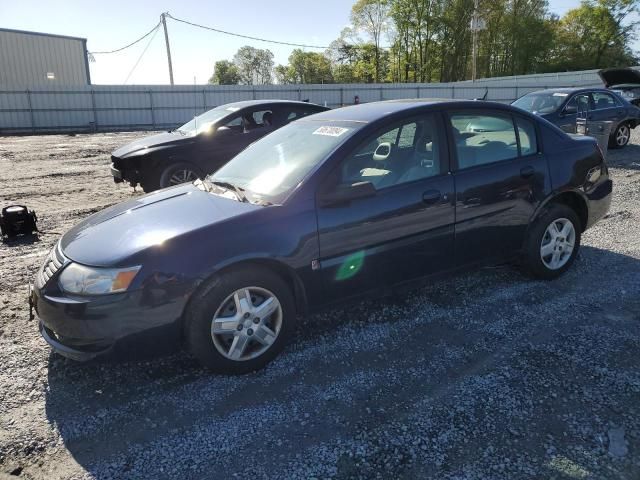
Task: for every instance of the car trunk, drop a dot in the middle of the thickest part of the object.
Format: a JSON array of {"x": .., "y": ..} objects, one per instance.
[{"x": 619, "y": 76}]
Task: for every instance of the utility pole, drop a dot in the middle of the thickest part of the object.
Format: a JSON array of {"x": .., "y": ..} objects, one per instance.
[
  {"x": 477, "y": 24},
  {"x": 474, "y": 33},
  {"x": 163, "y": 18}
]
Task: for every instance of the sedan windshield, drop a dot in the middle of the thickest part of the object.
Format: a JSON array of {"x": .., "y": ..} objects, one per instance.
[
  {"x": 203, "y": 122},
  {"x": 272, "y": 167},
  {"x": 541, "y": 102}
]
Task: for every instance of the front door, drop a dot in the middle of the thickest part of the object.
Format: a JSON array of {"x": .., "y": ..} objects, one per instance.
[
  {"x": 405, "y": 229},
  {"x": 500, "y": 178},
  {"x": 579, "y": 105}
]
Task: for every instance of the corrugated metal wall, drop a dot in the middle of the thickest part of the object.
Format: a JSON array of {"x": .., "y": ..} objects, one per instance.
[
  {"x": 111, "y": 108},
  {"x": 27, "y": 57}
]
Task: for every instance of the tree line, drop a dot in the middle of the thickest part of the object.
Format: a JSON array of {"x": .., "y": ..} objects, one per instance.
[{"x": 430, "y": 41}]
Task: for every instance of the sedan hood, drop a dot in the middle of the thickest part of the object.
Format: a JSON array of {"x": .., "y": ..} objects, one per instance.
[
  {"x": 618, "y": 76},
  {"x": 111, "y": 236},
  {"x": 154, "y": 142}
]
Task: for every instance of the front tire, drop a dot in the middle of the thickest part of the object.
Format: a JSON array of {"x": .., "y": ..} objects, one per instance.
[
  {"x": 178, "y": 173},
  {"x": 620, "y": 136},
  {"x": 553, "y": 242},
  {"x": 240, "y": 320}
]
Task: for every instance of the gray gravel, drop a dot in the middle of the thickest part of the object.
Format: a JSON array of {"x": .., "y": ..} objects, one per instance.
[{"x": 488, "y": 375}]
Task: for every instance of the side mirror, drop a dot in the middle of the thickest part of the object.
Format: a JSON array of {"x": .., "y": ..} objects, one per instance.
[
  {"x": 346, "y": 193},
  {"x": 569, "y": 110}
]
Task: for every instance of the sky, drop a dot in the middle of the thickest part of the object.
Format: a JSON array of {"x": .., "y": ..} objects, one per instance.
[{"x": 108, "y": 25}]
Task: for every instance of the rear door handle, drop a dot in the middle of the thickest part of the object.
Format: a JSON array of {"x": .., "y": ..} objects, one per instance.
[
  {"x": 526, "y": 172},
  {"x": 431, "y": 196}
]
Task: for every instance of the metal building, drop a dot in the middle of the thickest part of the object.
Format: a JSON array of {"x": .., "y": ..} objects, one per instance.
[{"x": 32, "y": 59}]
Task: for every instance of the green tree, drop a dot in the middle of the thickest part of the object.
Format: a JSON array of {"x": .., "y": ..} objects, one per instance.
[
  {"x": 371, "y": 17},
  {"x": 254, "y": 65},
  {"x": 225, "y": 73},
  {"x": 596, "y": 35}
]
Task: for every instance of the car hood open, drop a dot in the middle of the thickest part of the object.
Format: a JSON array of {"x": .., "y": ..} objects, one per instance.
[
  {"x": 160, "y": 140},
  {"x": 619, "y": 76},
  {"x": 111, "y": 236}
]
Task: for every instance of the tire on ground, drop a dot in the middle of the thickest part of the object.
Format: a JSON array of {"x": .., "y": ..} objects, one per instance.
[
  {"x": 533, "y": 262},
  {"x": 209, "y": 298},
  {"x": 613, "y": 142}
]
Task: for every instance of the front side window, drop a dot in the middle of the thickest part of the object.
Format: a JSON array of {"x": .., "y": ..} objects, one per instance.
[
  {"x": 482, "y": 138},
  {"x": 396, "y": 155},
  {"x": 577, "y": 103}
]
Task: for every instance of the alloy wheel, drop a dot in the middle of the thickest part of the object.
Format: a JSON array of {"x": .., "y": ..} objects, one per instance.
[
  {"x": 247, "y": 323},
  {"x": 557, "y": 243},
  {"x": 182, "y": 176},
  {"x": 622, "y": 135}
]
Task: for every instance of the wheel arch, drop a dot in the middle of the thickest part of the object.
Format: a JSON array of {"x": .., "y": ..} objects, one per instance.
[
  {"x": 286, "y": 273},
  {"x": 571, "y": 198}
]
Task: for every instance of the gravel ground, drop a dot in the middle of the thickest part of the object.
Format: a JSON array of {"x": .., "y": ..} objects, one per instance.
[{"x": 488, "y": 375}]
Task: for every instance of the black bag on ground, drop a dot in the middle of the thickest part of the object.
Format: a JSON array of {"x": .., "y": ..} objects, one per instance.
[{"x": 18, "y": 220}]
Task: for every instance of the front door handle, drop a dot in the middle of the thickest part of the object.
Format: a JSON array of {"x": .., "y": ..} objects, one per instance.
[
  {"x": 526, "y": 172},
  {"x": 431, "y": 196}
]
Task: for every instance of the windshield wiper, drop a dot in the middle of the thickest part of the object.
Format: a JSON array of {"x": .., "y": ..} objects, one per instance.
[{"x": 234, "y": 188}]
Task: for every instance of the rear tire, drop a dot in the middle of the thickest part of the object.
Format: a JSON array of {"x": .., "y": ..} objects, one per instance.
[
  {"x": 620, "y": 136},
  {"x": 553, "y": 242},
  {"x": 240, "y": 320}
]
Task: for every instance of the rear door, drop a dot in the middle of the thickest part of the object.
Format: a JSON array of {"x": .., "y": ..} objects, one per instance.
[
  {"x": 606, "y": 107},
  {"x": 500, "y": 178},
  {"x": 403, "y": 231}
]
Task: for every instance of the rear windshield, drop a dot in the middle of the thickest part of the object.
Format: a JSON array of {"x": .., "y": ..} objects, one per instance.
[{"x": 541, "y": 102}]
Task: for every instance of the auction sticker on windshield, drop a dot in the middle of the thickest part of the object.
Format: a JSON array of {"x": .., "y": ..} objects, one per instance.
[{"x": 331, "y": 131}]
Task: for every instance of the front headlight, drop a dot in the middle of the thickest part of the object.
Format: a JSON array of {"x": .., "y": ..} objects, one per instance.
[{"x": 81, "y": 280}]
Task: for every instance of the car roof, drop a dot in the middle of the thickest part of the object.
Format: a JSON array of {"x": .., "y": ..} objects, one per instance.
[
  {"x": 252, "y": 103},
  {"x": 570, "y": 90},
  {"x": 368, "y": 112}
]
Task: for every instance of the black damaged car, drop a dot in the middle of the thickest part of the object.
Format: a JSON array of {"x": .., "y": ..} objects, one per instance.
[
  {"x": 341, "y": 204},
  {"x": 204, "y": 144}
]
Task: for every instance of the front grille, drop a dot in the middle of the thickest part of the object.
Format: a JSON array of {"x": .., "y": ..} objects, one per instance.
[{"x": 54, "y": 261}]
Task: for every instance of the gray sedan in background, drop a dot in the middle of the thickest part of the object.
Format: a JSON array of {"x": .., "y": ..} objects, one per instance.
[{"x": 562, "y": 107}]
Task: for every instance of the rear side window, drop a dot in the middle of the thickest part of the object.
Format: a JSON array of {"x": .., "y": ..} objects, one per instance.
[
  {"x": 527, "y": 135},
  {"x": 295, "y": 113},
  {"x": 603, "y": 100},
  {"x": 482, "y": 138}
]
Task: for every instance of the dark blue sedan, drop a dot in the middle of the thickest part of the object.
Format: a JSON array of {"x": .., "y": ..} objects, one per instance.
[
  {"x": 562, "y": 106},
  {"x": 328, "y": 208}
]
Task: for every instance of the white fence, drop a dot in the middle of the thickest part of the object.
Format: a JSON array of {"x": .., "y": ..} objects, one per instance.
[{"x": 112, "y": 108}]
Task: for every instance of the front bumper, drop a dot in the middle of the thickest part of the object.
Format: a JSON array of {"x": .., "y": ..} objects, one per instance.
[
  {"x": 82, "y": 329},
  {"x": 123, "y": 171},
  {"x": 81, "y": 352},
  {"x": 118, "y": 176}
]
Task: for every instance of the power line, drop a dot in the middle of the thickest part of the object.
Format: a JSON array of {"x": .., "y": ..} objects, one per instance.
[
  {"x": 131, "y": 44},
  {"x": 245, "y": 36},
  {"x": 155, "y": 30}
]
